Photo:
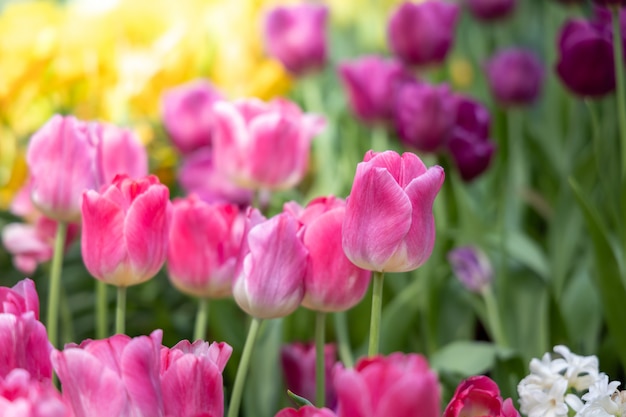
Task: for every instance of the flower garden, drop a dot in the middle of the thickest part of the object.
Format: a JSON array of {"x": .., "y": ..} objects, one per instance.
[{"x": 268, "y": 208}]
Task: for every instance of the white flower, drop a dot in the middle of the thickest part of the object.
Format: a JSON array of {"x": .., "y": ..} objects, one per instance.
[
  {"x": 580, "y": 371},
  {"x": 542, "y": 401},
  {"x": 602, "y": 399}
]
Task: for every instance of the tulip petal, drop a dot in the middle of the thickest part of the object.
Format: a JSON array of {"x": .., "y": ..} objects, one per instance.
[
  {"x": 411, "y": 396},
  {"x": 353, "y": 395},
  {"x": 378, "y": 216}
]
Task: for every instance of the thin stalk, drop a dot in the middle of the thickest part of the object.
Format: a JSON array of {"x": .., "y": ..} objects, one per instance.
[
  {"x": 343, "y": 339},
  {"x": 120, "y": 311},
  {"x": 55, "y": 283},
  {"x": 320, "y": 374},
  {"x": 493, "y": 316},
  {"x": 101, "y": 309},
  {"x": 377, "y": 307},
  {"x": 242, "y": 370},
  {"x": 621, "y": 86},
  {"x": 202, "y": 316}
]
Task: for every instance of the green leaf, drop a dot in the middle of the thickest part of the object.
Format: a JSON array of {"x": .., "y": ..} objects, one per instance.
[
  {"x": 300, "y": 401},
  {"x": 465, "y": 358}
]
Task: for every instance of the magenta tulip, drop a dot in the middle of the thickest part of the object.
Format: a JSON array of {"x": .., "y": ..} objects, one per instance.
[
  {"x": 306, "y": 411},
  {"x": 389, "y": 225},
  {"x": 191, "y": 378},
  {"x": 125, "y": 230},
  {"x": 490, "y": 10},
  {"x": 479, "y": 395},
  {"x": 263, "y": 145},
  {"x": 204, "y": 241},
  {"x": 20, "y": 299},
  {"x": 515, "y": 77},
  {"x": 371, "y": 83},
  {"x": 399, "y": 385},
  {"x": 120, "y": 152},
  {"x": 298, "y": 363},
  {"x": 187, "y": 112},
  {"x": 424, "y": 115},
  {"x": 61, "y": 160},
  {"x": 269, "y": 281},
  {"x": 23, "y": 396},
  {"x": 296, "y": 36},
  {"x": 24, "y": 344},
  {"x": 118, "y": 376},
  {"x": 332, "y": 283},
  {"x": 422, "y": 33}
]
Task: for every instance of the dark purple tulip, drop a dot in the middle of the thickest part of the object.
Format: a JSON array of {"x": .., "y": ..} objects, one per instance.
[
  {"x": 371, "y": 83},
  {"x": 296, "y": 36},
  {"x": 611, "y": 3},
  {"x": 425, "y": 115},
  {"x": 422, "y": 34},
  {"x": 585, "y": 63},
  {"x": 472, "y": 267},
  {"x": 491, "y": 9},
  {"x": 187, "y": 114},
  {"x": 469, "y": 144},
  {"x": 515, "y": 77}
]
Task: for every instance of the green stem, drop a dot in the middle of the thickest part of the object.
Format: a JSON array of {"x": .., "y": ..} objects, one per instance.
[
  {"x": 493, "y": 316},
  {"x": 377, "y": 307},
  {"x": 120, "y": 311},
  {"x": 101, "y": 309},
  {"x": 202, "y": 316},
  {"x": 343, "y": 339},
  {"x": 242, "y": 370},
  {"x": 320, "y": 374},
  {"x": 620, "y": 84},
  {"x": 55, "y": 283}
]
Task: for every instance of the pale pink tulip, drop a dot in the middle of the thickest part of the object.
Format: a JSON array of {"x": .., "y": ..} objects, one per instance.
[
  {"x": 389, "y": 225},
  {"x": 23, "y": 396},
  {"x": 61, "y": 160},
  {"x": 24, "y": 344},
  {"x": 399, "y": 385},
  {"x": 118, "y": 376},
  {"x": 125, "y": 230},
  {"x": 19, "y": 299},
  {"x": 204, "y": 242},
  {"x": 191, "y": 378},
  {"x": 120, "y": 152},
  {"x": 306, "y": 411},
  {"x": 263, "y": 145},
  {"x": 269, "y": 281},
  {"x": 333, "y": 282}
]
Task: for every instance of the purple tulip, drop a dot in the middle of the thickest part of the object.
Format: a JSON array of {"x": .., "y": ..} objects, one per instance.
[
  {"x": 422, "y": 34},
  {"x": 515, "y": 77},
  {"x": 489, "y": 10},
  {"x": 424, "y": 115},
  {"x": 296, "y": 36},
  {"x": 472, "y": 267},
  {"x": 611, "y": 3},
  {"x": 371, "y": 83}
]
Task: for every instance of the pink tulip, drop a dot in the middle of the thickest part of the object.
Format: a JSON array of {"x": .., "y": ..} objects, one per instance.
[
  {"x": 188, "y": 115},
  {"x": 296, "y": 36},
  {"x": 61, "y": 160},
  {"x": 333, "y": 282},
  {"x": 204, "y": 241},
  {"x": 24, "y": 344},
  {"x": 125, "y": 230},
  {"x": 263, "y": 145},
  {"x": 197, "y": 175},
  {"x": 269, "y": 281},
  {"x": 191, "y": 378},
  {"x": 20, "y": 299},
  {"x": 479, "y": 396},
  {"x": 306, "y": 411},
  {"x": 298, "y": 362},
  {"x": 399, "y": 385},
  {"x": 120, "y": 152},
  {"x": 118, "y": 376},
  {"x": 23, "y": 396},
  {"x": 389, "y": 224}
]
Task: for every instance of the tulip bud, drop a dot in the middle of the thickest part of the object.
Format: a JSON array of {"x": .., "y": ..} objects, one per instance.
[
  {"x": 422, "y": 33},
  {"x": 472, "y": 267},
  {"x": 306, "y": 411},
  {"x": 20, "y": 299},
  {"x": 489, "y": 10},
  {"x": 120, "y": 152},
  {"x": 125, "y": 230},
  {"x": 187, "y": 112},
  {"x": 479, "y": 393},
  {"x": 269, "y": 279},
  {"x": 515, "y": 77},
  {"x": 389, "y": 224},
  {"x": 296, "y": 36}
]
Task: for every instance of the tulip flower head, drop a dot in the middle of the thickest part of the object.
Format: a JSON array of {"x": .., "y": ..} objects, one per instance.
[
  {"x": 296, "y": 36},
  {"x": 489, "y": 10},
  {"x": 389, "y": 225},
  {"x": 19, "y": 299},
  {"x": 306, "y": 411},
  {"x": 472, "y": 267},
  {"x": 125, "y": 230},
  {"x": 515, "y": 77},
  {"x": 23, "y": 396},
  {"x": 479, "y": 395},
  {"x": 119, "y": 152}
]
